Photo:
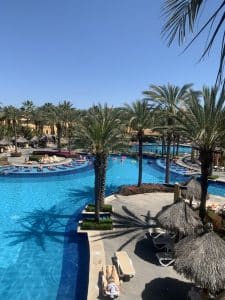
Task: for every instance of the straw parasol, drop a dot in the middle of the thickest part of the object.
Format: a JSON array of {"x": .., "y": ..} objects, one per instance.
[
  {"x": 221, "y": 296},
  {"x": 22, "y": 140},
  {"x": 179, "y": 217},
  {"x": 4, "y": 142},
  {"x": 193, "y": 189},
  {"x": 202, "y": 259},
  {"x": 34, "y": 139}
]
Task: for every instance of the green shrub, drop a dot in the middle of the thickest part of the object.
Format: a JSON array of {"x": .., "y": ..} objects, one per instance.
[
  {"x": 35, "y": 157},
  {"x": 103, "y": 224},
  {"x": 105, "y": 208},
  {"x": 3, "y": 158},
  {"x": 213, "y": 177}
]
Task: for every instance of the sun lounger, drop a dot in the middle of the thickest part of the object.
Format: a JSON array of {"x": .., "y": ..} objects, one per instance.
[
  {"x": 125, "y": 265},
  {"x": 155, "y": 232},
  {"x": 165, "y": 259},
  {"x": 108, "y": 275}
]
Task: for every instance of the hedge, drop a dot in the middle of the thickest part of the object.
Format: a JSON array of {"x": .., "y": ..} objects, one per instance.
[
  {"x": 35, "y": 158},
  {"x": 103, "y": 224},
  {"x": 104, "y": 208}
]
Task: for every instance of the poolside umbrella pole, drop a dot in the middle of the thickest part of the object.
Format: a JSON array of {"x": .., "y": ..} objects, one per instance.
[
  {"x": 202, "y": 260},
  {"x": 179, "y": 217}
]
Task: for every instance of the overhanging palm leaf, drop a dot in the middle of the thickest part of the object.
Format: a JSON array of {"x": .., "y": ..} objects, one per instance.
[{"x": 181, "y": 17}]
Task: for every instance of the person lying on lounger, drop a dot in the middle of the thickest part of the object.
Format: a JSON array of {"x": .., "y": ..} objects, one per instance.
[
  {"x": 111, "y": 282},
  {"x": 112, "y": 289}
]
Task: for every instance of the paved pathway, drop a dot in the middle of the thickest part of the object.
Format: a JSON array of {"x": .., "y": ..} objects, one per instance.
[{"x": 151, "y": 280}]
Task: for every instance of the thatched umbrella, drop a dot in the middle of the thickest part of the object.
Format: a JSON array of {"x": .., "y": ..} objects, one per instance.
[
  {"x": 22, "y": 140},
  {"x": 221, "y": 296},
  {"x": 202, "y": 259},
  {"x": 34, "y": 139},
  {"x": 193, "y": 189},
  {"x": 4, "y": 142},
  {"x": 179, "y": 217}
]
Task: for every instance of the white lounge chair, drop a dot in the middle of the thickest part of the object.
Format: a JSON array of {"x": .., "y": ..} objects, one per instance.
[
  {"x": 125, "y": 265},
  {"x": 165, "y": 258},
  {"x": 155, "y": 232}
]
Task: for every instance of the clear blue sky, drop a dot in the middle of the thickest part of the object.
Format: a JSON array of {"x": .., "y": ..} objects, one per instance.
[{"x": 89, "y": 51}]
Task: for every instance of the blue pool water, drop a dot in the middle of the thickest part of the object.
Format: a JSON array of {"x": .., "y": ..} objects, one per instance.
[
  {"x": 41, "y": 255},
  {"x": 157, "y": 148}
]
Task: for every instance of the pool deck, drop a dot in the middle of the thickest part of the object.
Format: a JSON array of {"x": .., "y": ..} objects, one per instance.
[{"x": 151, "y": 281}]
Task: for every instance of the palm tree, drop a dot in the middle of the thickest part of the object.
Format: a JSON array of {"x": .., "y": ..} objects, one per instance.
[
  {"x": 140, "y": 117},
  {"x": 38, "y": 117},
  {"x": 12, "y": 115},
  {"x": 102, "y": 131},
  {"x": 27, "y": 109},
  {"x": 204, "y": 123},
  {"x": 63, "y": 113},
  {"x": 181, "y": 17},
  {"x": 48, "y": 110},
  {"x": 168, "y": 98}
]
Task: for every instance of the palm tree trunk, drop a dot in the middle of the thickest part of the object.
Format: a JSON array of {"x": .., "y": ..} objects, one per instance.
[
  {"x": 192, "y": 155},
  {"x": 140, "y": 155},
  {"x": 59, "y": 135},
  {"x": 163, "y": 145},
  {"x": 174, "y": 144},
  {"x": 102, "y": 179},
  {"x": 15, "y": 134},
  {"x": 97, "y": 203},
  {"x": 100, "y": 164},
  {"x": 206, "y": 158},
  {"x": 167, "y": 177},
  {"x": 178, "y": 144}
]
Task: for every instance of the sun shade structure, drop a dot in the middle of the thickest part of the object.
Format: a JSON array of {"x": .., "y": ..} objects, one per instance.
[
  {"x": 4, "y": 142},
  {"x": 34, "y": 139},
  {"x": 22, "y": 140},
  {"x": 202, "y": 260},
  {"x": 193, "y": 189},
  {"x": 179, "y": 217},
  {"x": 221, "y": 296}
]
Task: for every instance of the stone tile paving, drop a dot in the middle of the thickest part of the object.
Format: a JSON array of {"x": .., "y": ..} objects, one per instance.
[{"x": 151, "y": 281}]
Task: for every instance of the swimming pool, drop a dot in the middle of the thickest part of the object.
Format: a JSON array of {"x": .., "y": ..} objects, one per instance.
[
  {"x": 41, "y": 255},
  {"x": 157, "y": 148},
  {"x": 43, "y": 170}
]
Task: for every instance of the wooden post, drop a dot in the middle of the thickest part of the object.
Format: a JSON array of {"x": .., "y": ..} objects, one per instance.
[{"x": 177, "y": 192}]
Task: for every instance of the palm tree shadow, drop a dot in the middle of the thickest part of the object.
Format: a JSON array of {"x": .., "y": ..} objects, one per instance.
[
  {"x": 87, "y": 193},
  {"x": 41, "y": 225},
  {"x": 166, "y": 289},
  {"x": 130, "y": 224}
]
